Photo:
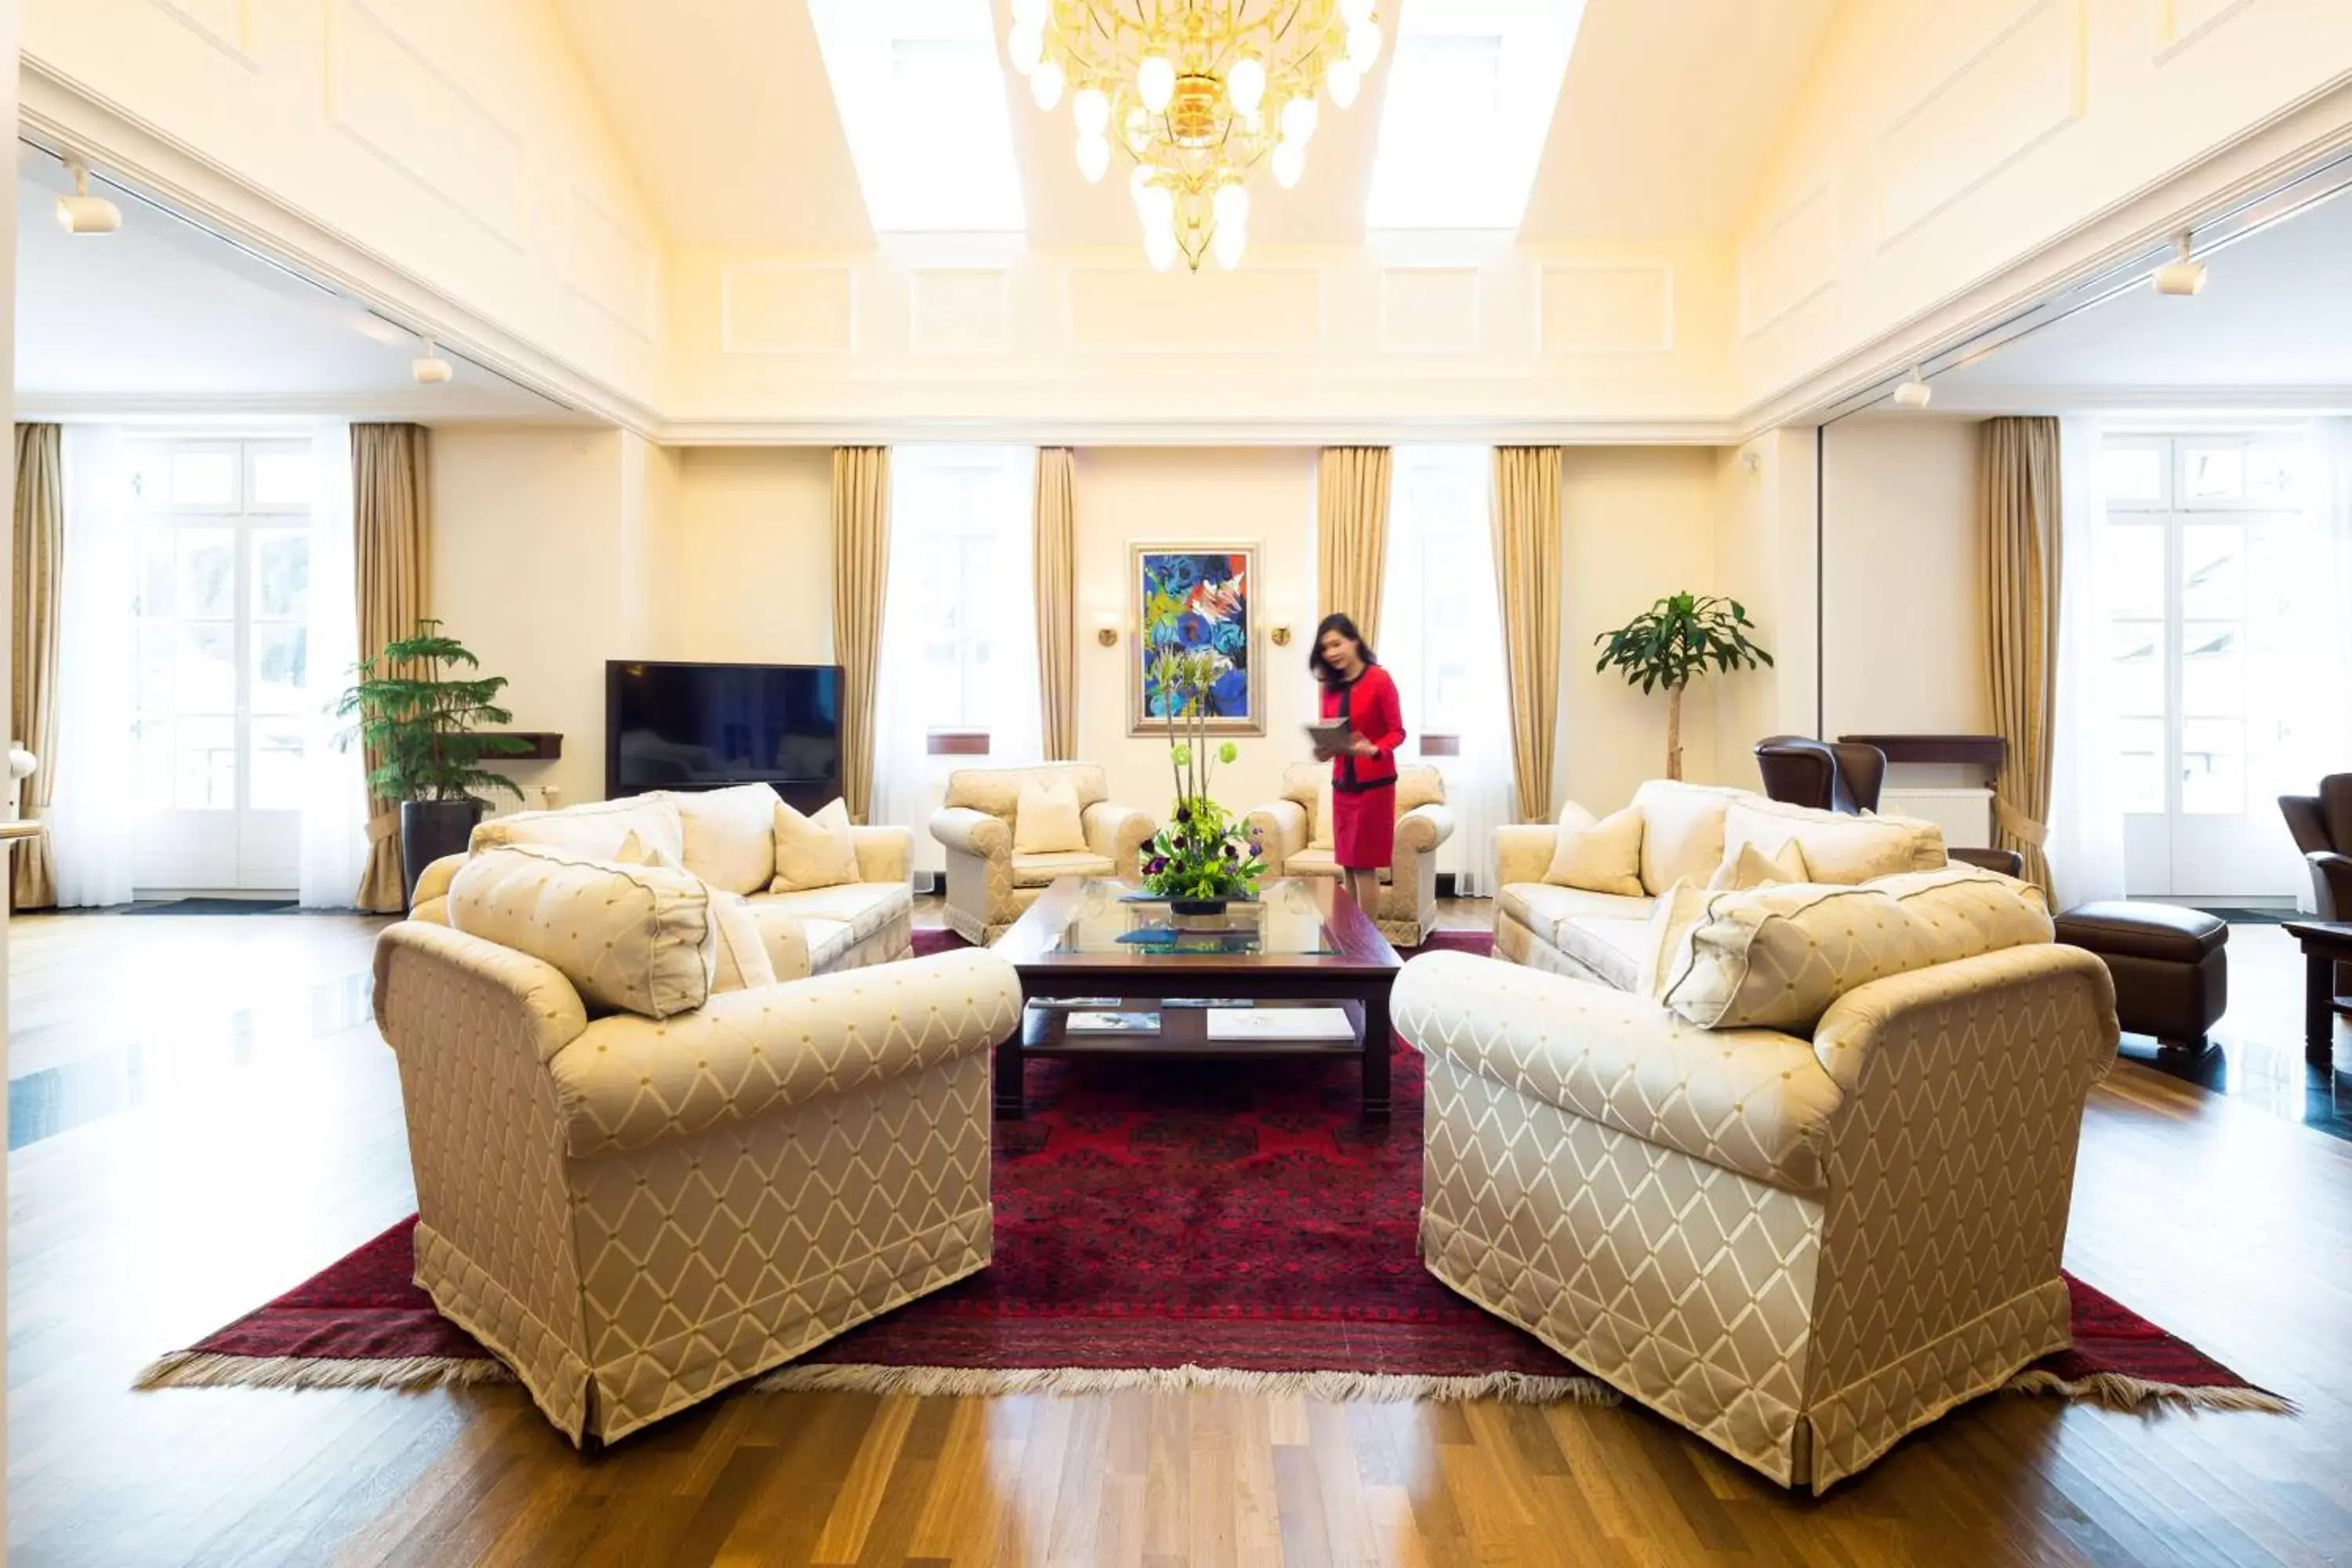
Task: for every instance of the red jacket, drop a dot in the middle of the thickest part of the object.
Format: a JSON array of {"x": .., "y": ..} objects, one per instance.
[{"x": 1370, "y": 703}]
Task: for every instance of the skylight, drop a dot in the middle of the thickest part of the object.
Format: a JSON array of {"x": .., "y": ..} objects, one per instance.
[
  {"x": 922, "y": 101},
  {"x": 1471, "y": 88}
]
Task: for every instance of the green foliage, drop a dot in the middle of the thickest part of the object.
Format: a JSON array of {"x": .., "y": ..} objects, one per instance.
[
  {"x": 1203, "y": 853},
  {"x": 1679, "y": 637},
  {"x": 419, "y": 723}
]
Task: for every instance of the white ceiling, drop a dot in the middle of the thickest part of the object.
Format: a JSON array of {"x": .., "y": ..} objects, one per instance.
[
  {"x": 2275, "y": 314},
  {"x": 165, "y": 317}
]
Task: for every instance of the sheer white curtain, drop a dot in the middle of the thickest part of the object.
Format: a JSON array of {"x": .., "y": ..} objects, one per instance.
[
  {"x": 334, "y": 799},
  {"x": 1442, "y": 644},
  {"x": 2086, "y": 820},
  {"x": 2316, "y": 712},
  {"x": 959, "y": 618},
  {"x": 93, "y": 820}
]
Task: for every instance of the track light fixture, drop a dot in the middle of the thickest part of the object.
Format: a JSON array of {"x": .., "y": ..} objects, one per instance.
[
  {"x": 2182, "y": 275},
  {"x": 82, "y": 213},
  {"x": 429, "y": 368},
  {"x": 1914, "y": 392}
]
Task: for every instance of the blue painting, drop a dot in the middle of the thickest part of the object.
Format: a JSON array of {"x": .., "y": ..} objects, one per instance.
[{"x": 1198, "y": 600}]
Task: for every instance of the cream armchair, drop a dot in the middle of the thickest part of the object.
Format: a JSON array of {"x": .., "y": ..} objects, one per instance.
[
  {"x": 1799, "y": 1248},
  {"x": 635, "y": 1213},
  {"x": 1295, "y": 844},
  {"x": 988, "y": 886}
]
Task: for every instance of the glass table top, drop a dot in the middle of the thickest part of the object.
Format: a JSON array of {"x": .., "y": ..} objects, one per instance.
[{"x": 1287, "y": 919}]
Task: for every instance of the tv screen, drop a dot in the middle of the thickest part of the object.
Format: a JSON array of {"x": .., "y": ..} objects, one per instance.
[{"x": 705, "y": 726}]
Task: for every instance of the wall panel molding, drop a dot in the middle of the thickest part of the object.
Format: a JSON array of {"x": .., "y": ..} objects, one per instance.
[
  {"x": 1135, "y": 311},
  {"x": 2180, "y": 23},
  {"x": 2022, "y": 87},
  {"x": 389, "y": 97},
  {"x": 1429, "y": 309},
  {"x": 1790, "y": 261},
  {"x": 954, "y": 311},
  {"x": 611, "y": 265},
  {"x": 782, "y": 308},
  {"x": 1597, "y": 309},
  {"x": 227, "y": 25}
]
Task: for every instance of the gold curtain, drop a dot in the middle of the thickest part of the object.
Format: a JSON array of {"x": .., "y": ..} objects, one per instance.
[
  {"x": 2017, "y": 486},
  {"x": 1352, "y": 504},
  {"x": 40, "y": 533},
  {"x": 392, "y": 536},
  {"x": 1526, "y": 580},
  {"x": 1056, "y": 570},
  {"x": 861, "y": 565}
]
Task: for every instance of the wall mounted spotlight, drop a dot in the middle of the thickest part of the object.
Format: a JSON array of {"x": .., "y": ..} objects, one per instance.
[
  {"x": 429, "y": 368},
  {"x": 2182, "y": 275},
  {"x": 82, "y": 213},
  {"x": 1913, "y": 392}
]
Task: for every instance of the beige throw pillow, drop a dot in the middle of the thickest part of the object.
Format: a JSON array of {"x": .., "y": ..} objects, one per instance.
[
  {"x": 1838, "y": 846},
  {"x": 1681, "y": 831},
  {"x": 1047, "y": 819},
  {"x": 631, "y": 938},
  {"x": 1748, "y": 866},
  {"x": 813, "y": 851},
  {"x": 1678, "y": 911},
  {"x": 743, "y": 963},
  {"x": 1604, "y": 857},
  {"x": 730, "y": 836}
]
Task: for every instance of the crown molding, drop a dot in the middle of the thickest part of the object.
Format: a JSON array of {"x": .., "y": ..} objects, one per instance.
[
  {"x": 784, "y": 431},
  {"x": 457, "y": 406},
  {"x": 2203, "y": 400}
]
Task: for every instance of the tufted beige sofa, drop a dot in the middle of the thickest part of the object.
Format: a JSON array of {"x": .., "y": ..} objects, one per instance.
[
  {"x": 988, "y": 886},
  {"x": 1295, "y": 844},
  {"x": 633, "y": 1212},
  {"x": 725, "y": 838},
  {"x": 1799, "y": 1245}
]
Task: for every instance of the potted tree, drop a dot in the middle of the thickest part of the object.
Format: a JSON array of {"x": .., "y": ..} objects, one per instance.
[
  {"x": 1681, "y": 636},
  {"x": 418, "y": 722}
]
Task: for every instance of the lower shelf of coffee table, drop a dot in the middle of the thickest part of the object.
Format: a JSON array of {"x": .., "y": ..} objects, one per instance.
[{"x": 1183, "y": 1031}]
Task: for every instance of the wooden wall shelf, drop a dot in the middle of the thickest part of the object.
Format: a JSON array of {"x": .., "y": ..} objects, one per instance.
[
  {"x": 1987, "y": 752},
  {"x": 545, "y": 746}
]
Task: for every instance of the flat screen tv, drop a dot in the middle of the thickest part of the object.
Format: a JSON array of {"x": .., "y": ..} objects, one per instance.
[{"x": 705, "y": 726}]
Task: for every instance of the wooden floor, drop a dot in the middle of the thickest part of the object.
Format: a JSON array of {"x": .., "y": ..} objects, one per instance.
[{"x": 210, "y": 1118}]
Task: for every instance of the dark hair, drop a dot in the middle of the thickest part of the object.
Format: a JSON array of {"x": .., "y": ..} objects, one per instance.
[{"x": 1315, "y": 663}]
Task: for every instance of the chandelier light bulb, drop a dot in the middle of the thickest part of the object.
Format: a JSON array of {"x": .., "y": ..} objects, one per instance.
[
  {"x": 1138, "y": 186},
  {"x": 1159, "y": 206},
  {"x": 1046, "y": 84},
  {"x": 1091, "y": 109},
  {"x": 1155, "y": 82},
  {"x": 1230, "y": 206},
  {"x": 1298, "y": 120},
  {"x": 1159, "y": 246},
  {"x": 1031, "y": 13},
  {"x": 1093, "y": 158},
  {"x": 1289, "y": 163},
  {"x": 1228, "y": 245},
  {"x": 1341, "y": 82},
  {"x": 1364, "y": 45},
  {"x": 1025, "y": 46},
  {"x": 1245, "y": 85},
  {"x": 1354, "y": 12}
]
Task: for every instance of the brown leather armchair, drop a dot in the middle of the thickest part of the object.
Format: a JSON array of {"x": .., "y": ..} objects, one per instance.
[
  {"x": 2322, "y": 825},
  {"x": 1846, "y": 775}
]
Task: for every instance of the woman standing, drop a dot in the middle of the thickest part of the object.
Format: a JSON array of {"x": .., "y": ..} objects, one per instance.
[{"x": 1363, "y": 781}]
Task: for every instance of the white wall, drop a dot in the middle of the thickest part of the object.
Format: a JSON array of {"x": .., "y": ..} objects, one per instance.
[
  {"x": 1764, "y": 557},
  {"x": 1903, "y": 623},
  {"x": 756, "y": 557}
]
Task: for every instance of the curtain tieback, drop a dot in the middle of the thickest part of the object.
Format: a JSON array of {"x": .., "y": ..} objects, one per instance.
[
  {"x": 382, "y": 826},
  {"x": 2019, "y": 826}
]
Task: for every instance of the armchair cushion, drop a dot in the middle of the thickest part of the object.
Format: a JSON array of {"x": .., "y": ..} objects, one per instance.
[
  {"x": 1602, "y": 856},
  {"x": 730, "y": 835},
  {"x": 637, "y": 939},
  {"x": 1047, "y": 821},
  {"x": 1838, "y": 846},
  {"x": 814, "y": 851},
  {"x": 1040, "y": 870},
  {"x": 598, "y": 830},
  {"x": 1757, "y": 1103},
  {"x": 1681, "y": 831},
  {"x": 1602, "y": 931},
  {"x": 865, "y": 907}
]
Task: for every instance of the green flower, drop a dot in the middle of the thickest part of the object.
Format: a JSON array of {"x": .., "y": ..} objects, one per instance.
[
  {"x": 1181, "y": 755},
  {"x": 1228, "y": 752}
]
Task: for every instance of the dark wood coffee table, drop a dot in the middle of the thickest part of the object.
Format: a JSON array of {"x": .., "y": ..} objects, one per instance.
[
  {"x": 1303, "y": 943},
  {"x": 2325, "y": 945}
]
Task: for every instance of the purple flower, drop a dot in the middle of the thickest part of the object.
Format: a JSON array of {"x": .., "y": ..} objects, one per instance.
[{"x": 1156, "y": 865}]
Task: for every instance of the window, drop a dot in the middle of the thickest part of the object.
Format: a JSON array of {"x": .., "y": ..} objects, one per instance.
[
  {"x": 966, "y": 510},
  {"x": 1467, "y": 107},
  {"x": 920, "y": 88}
]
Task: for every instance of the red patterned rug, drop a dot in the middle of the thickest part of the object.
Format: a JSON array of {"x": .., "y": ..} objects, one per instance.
[{"x": 1157, "y": 1222}]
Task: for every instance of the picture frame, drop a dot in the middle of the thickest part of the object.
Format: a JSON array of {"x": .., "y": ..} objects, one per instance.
[{"x": 1207, "y": 596}]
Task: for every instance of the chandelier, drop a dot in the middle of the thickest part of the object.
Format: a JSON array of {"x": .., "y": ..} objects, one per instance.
[{"x": 1200, "y": 92}]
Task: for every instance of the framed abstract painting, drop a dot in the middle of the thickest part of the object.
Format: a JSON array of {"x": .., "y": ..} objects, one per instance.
[{"x": 1199, "y": 598}]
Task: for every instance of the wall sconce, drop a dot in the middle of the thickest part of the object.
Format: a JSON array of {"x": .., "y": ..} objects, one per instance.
[
  {"x": 1278, "y": 634},
  {"x": 1106, "y": 629}
]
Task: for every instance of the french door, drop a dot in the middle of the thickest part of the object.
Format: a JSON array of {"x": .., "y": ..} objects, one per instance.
[
  {"x": 222, "y": 616},
  {"x": 2209, "y": 566}
]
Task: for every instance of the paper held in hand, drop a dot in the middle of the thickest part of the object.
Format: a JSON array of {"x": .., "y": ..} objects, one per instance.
[{"x": 1329, "y": 737}]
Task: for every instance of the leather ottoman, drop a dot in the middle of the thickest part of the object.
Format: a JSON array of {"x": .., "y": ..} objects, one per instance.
[{"x": 2171, "y": 965}]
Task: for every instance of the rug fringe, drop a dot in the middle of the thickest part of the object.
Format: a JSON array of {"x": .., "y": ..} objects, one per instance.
[
  {"x": 2117, "y": 1391},
  {"x": 200, "y": 1369},
  {"x": 1332, "y": 1387}
]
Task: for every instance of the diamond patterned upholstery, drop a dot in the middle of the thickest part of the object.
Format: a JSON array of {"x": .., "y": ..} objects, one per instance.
[
  {"x": 1286, "y": 831},
  {"x": 1800, "y": 1249},
  {"x": 990, "y": 886},
  {"x": 636, "y": 1214}
]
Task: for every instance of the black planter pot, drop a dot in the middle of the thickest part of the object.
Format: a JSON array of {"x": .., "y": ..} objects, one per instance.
[
  {"x": 1198, "y": 906},
  {"x": 428, "y": 830}
]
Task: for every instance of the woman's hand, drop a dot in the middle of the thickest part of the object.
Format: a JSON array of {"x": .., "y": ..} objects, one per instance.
[{"x": 1360, "y": 747}]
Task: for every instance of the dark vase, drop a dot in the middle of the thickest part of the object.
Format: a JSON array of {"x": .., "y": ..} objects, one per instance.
[
  {"x": 1198, "y": 906},
  {"x": 428, "y": 830}
]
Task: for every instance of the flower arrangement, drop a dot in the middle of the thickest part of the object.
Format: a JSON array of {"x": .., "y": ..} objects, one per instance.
[{"x": 1201, "y": 855}]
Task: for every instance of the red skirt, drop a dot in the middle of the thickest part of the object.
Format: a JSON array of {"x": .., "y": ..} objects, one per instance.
[{"x": 1363, "y": 828}]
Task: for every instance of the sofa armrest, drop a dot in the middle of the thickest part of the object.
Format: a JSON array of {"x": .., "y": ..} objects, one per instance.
[
  {"x": 1120, "y": 833},
  {"x": 2056, "y": 1001},
  {"x": 2331, "y": 884},
  {"x": 1751, "y": 1100},
  {"x": 1523, "y": 852},
  {"x": 627, "y": 1081},
  {"x": 884, "y": 854},
  {"x": 433, "y": 883},
  {"x": 1424, "y": 827},
  {"x": 418, "y": 959},
  {"x": 1280, "y": 830},
  {"x": 969, "y": 832}
]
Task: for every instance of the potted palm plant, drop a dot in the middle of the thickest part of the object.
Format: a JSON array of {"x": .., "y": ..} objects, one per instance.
[
  {"x": 1681, "y": 636},
  {"x": 420, "y": 722}
]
